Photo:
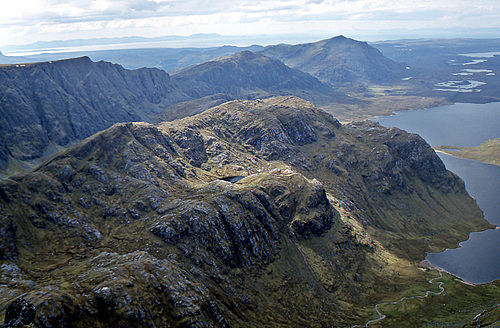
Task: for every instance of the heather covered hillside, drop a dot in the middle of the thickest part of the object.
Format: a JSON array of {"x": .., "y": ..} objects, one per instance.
[{"x": 138, "y": 225}]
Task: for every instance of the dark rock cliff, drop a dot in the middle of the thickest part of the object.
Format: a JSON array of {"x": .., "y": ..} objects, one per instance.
[{"x": 48, "y": 105}]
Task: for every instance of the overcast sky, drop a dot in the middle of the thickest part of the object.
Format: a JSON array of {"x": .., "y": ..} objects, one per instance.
[{"x": 27, "y": 21}]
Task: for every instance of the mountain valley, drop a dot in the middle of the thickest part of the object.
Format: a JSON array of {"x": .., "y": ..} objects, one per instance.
[{"x": 237, "y": 190}]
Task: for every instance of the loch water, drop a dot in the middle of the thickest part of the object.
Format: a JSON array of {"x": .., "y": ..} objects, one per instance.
[{"x": 477, "y": 260}]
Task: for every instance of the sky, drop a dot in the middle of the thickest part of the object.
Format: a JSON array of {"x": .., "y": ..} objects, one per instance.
[{"x": 28, "y": 21}]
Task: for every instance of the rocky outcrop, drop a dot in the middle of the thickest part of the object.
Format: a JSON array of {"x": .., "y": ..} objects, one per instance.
[
  {"x": 362, "y": 163},
  {"x": 19, "y": 313}
]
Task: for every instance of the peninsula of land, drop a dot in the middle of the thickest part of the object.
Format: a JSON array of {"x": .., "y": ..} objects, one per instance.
[{"x": 487, "y": 152}]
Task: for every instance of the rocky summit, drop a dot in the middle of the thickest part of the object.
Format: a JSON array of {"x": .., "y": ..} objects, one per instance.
[{"x": 265, "y": 213}]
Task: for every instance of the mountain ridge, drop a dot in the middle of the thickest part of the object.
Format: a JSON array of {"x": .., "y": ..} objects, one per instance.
[
  {"x": 48, "y": 106},
  {"x": 248, "y": 74},
  {"x": 139, "y": 217},
  {"x": 339, "y": 60}
]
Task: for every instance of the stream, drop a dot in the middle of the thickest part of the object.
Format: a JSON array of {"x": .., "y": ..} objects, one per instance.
[{"x": 382, "y": 316}]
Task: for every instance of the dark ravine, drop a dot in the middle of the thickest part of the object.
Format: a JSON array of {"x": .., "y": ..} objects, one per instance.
[{"x": 134, "y": 226}]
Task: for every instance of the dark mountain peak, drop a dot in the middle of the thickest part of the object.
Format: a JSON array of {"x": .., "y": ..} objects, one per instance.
[{"x": 340, "y": 38}]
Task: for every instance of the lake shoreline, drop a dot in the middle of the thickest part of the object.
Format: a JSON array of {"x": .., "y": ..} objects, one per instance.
[
  {"x": 458, "y": 152},
  {"x": 428, "y": 265},
  {"x": 476, "y": 259}
]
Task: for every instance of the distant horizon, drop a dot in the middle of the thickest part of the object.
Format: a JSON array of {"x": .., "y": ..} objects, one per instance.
[
  {"x": 24, "y": 22},
  {"x": 198, "y": 40}
]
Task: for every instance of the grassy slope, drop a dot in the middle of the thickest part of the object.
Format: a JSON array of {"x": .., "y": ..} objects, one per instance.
[{"x": 488, "y": 151}]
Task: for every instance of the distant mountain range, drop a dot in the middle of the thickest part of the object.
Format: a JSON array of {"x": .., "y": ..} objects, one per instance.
[
  {"x": 41, "y": 45},
  {"x": 49, "y": 105},
  {"x": 338, "y": 61},
  {"x": 12, "y": 59}
]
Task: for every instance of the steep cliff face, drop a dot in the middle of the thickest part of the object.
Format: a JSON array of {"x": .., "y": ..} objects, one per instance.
[
  {"x": 48, "y": 105},
  {"x": 338, "y": 60},
  {"x": 136, "y": 226}
]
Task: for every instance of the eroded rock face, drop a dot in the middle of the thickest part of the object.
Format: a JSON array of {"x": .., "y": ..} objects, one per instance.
[{"x": 135, "y": 226}]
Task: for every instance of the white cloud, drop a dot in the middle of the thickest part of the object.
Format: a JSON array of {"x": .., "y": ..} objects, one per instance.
[{"x": 28, "y": 20}]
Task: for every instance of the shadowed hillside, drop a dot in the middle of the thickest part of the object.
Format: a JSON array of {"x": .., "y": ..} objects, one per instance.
[
  {"x": 250, "y": 75},
  {"x": 46, "y": 106}
]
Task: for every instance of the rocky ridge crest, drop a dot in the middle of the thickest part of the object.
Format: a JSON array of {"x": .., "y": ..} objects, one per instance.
[{"x": 136, "y": 225}]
